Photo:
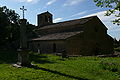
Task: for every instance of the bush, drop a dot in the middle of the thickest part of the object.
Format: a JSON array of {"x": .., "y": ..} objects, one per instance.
[{"x": 117, "y": 49}]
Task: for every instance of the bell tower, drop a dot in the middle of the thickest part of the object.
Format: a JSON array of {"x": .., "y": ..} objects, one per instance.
[{"x": 44, "y": 19}]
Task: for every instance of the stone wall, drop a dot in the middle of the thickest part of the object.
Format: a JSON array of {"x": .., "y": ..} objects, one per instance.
[
  {"x": 97, "y": 36},
  {"x": 75, "y": 45},
  {"x": 93, "y": 41},
  {"x": 48, "y": 46}
]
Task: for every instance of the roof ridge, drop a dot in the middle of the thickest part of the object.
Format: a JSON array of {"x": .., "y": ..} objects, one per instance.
[
  {"x": 71, "y": 22},
  {"x": 56, "y": 36},
  {"x": 77, "y": 19}
]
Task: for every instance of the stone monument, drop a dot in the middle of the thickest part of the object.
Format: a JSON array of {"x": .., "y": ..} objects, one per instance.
[{"x": 23, "y": 56}]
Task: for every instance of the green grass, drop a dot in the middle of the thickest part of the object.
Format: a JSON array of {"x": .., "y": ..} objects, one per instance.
[{"x": 50, "y": 67}]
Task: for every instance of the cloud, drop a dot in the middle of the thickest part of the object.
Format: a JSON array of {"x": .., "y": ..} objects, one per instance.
[
  {"x": 84, "y": 12},
  {"x": 107, "y": 21},
  {"x": 72, "y": 2},
  {"x": 102, "y": 16},
  {"x": 27, "y": 1},
  {"x": 78, "y": 14},
  {"x": 51, "y": 2},
  {"x": 113, "y": 29},
  {"x": 57, "y": 20}
]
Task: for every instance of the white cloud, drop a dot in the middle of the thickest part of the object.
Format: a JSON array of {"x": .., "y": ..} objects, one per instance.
[
  {"x": 102, "y": 16},
  {"x": 84, "y": 12},
  {"x": 28, "y": 1},
  {"x": 51, "y": 2},
  {"x": 112, "y": 28},
  {"x": 72, "y": 2},
  {"x": 78, "y": 14},
  {"x": 57, "y": 20}
]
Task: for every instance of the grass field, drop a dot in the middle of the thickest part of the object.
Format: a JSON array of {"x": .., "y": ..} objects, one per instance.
[{"x": 50, "y": 67}]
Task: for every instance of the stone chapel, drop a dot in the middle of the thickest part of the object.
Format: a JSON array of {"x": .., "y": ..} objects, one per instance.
[{"x": 85, "y": 36}]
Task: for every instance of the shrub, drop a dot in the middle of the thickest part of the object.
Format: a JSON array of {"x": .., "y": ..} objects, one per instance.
[{"x": 117, "y": 49}]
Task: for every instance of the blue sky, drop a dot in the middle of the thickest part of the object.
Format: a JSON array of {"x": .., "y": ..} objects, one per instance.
[{"x": 63, "y": 10}]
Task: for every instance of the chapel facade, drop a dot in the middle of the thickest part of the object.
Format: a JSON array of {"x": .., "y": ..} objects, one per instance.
[{"x": 85, "y": 36}]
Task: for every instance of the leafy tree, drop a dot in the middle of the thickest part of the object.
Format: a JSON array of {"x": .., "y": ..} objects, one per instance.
[
  {"x": 116, "y": 43},
  {"x": 30, "y": 32},
  {"x": 114, "y": 8},
  {"x": 119, "y": 42},
  {"x": 9, "y": 29}
]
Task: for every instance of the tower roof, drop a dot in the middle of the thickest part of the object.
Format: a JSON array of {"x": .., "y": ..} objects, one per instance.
[{"x": 47, "y": 12}]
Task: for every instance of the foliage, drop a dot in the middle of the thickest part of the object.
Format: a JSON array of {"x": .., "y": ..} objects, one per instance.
[
  {"x": 117, "y": 49},
  {"x": 51, "y": 67},
  {"x": 114, "y": 8},
  {"x": 116, "y": 43},
  {"x": 7, "y": 57},
  {"x": 9, "y": 29},
  {"x": 30, "y": 32}
]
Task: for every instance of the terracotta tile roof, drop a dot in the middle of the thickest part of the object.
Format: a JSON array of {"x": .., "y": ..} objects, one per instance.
[
  {"x": 57, "y": 36},
  {"x": 67, "y": 23}
]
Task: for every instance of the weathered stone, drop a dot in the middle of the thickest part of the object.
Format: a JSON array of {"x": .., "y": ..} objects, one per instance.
[
  {"x": 86, "y": 36},
  {"x": 23, "y": 37},
  {"x": 23, "y": 56}
]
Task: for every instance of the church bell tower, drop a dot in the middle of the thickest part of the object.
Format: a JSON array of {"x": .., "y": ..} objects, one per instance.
[{"x": 44, "y": 19}]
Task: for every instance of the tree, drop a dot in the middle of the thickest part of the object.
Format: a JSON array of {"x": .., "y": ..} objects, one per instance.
[
  {"x": 116, "y": 43},
  {"x": 30, "y": 31},
  {"x": 114, "y": 8},
  {"x": 119, "y": 42},
  {"x": 9, "y": 29}
]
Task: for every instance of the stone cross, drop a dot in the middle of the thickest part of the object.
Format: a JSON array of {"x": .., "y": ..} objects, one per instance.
[
  {"x": 23, "y": 56},
  {"x": 23, "y": 36},
  {"x": 23, "y": 9}
]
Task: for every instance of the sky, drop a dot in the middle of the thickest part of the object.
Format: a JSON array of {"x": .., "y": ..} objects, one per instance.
[{"x": 63, "y": 10}]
